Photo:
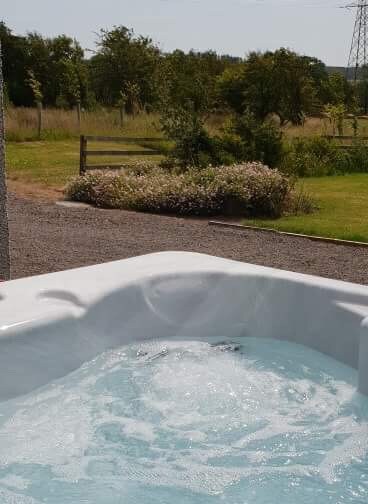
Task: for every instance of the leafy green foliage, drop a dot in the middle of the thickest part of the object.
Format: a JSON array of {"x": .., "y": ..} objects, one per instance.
[
  {"x": 192, "y": 143},
  {"x": 192, "y": 77},
  {"x": 282, "y": 83},
  {"x": 317, "y": 157},
  {"x": 337, "y": 90},
  {"x": 261, "y": 141},
  {"x": 15, "y": 66},
  {"x": 245, "y": 139},
  {"x": 336, "y": 115},
  {"x": 57, "y": 64},
  {"x": 35, "y": 85},
  {"x": 124, "y": 61}
]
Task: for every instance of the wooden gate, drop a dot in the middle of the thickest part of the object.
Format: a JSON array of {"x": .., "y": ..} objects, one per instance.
[{"x": 85, "y": 153}]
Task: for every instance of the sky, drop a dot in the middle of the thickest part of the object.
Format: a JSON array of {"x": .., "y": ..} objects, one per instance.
[{"x": 317, "y": 28}]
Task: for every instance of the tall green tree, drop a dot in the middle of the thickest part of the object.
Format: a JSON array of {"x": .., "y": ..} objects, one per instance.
[
  {"x": 15, "y": 66},
  {"x": 58, "y": 64},
  {"x": 124, "y": 60},
  {"x": 338, "y": 90},
  {"x": 280, "y": 83},
  {"x": 191, "y": 77}
]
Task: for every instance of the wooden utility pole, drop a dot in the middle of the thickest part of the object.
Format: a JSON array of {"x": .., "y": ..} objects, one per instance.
[{"x": 4, "y": 229}]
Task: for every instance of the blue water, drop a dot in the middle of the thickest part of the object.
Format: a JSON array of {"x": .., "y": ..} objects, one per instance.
[{"x": 252, "y": 421}]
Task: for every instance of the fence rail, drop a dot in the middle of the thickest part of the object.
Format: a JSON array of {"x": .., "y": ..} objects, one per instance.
[
  {"x": 345, "y": 137},
  {"x": 85, "y": 153}
]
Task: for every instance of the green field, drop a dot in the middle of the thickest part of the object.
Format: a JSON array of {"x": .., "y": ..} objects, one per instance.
[
  {"x": 342, "y": 209},
  {"x": 52, "y": 163}
]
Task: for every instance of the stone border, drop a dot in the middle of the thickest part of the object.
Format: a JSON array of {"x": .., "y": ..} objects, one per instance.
[{"x": 335, "y": 241}]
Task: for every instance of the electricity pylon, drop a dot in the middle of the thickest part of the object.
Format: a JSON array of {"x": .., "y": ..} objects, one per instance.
[{"x": 358, "y": 57}]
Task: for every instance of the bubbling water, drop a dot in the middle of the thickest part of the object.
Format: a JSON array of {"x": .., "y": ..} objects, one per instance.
[{"x": 246, "y": 421}]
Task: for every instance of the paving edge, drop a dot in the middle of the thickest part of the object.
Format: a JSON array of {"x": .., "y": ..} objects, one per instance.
[
  {"x": 72, "y": 204},
  {"x": 335, "y": 241}
]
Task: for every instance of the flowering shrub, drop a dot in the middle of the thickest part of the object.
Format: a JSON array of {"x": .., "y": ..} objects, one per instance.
[{"x": 249, "y": 189}]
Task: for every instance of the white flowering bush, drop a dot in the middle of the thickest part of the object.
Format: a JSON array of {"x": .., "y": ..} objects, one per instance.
[{"x": 249, "y": 189}]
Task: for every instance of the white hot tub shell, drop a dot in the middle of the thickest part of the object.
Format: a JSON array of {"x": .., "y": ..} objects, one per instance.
[{"x": 50, "y": 325}]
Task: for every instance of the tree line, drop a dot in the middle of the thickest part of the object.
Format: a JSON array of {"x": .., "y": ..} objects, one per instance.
[{"x": 129, "y": 71}]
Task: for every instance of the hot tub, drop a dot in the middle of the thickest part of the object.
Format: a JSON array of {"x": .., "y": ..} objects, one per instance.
[{"x": 55, "y": 328}]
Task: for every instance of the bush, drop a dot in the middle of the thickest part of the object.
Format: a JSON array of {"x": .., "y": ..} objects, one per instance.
[
  {"x": 315, "y": 157},
  {"x": 247, "y": 190},
  {"x": 261, "y": 141},
  {"x": 300, "y": 202},
  {"x": 246, "y": 139},
  {"x": 358, "y": 157},
  {"x": 192, "y": 142},
  {"x": 318, "y": 157}
]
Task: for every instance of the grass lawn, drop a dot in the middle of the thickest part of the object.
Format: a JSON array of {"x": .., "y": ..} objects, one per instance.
[
  {"x": 342, "y": 213},
  {"x": 52, "y": 163}
]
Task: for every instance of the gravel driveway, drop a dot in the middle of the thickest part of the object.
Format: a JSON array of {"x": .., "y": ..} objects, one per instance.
[{"x": 46, "y": 237}]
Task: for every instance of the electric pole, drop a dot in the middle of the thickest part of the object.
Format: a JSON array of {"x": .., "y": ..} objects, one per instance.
[
  {"x": 4, "y": 230},
  {"x": 358, "y": 57}
]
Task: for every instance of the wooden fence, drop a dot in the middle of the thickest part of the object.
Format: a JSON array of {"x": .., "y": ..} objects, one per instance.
[
  {"x": 344, "y": 139},
  {"x": 85, "y": 153}
]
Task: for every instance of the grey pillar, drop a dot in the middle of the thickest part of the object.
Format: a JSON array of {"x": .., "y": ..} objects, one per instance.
[{"x": 4, "y": 230}]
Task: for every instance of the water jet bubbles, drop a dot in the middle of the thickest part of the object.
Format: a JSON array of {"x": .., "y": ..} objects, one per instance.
[{"x": 191, "y": 421}]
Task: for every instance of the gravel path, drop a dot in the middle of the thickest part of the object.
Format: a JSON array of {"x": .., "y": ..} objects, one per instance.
[{"x": 46, "y": 237}]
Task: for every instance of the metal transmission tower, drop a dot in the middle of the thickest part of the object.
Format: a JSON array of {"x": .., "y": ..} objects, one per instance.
[{"x": 358, "y": 57}]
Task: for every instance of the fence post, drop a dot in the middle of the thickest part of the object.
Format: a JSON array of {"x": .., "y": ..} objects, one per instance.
[
  {"x": 39, "y": 119},
  {"x": 79, "y": 114},
  {"x": 83, "y": 155},
  {"x": 4, "y": 230}
]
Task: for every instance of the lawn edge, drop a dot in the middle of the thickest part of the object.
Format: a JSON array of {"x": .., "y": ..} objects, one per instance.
[{"x": 335, "y": 241}]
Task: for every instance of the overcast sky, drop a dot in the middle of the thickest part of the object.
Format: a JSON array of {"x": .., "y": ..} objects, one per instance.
[{"x": 314, "y": 27}]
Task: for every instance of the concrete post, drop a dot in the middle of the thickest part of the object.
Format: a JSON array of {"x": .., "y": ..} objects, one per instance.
[{"x": 4, "y": 230}]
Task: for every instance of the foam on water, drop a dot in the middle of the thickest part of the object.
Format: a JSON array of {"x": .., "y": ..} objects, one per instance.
[{"x": 254, "y": 421}]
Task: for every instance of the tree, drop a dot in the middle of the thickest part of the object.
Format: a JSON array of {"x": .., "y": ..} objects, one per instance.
[
  {"x": 72, "y": 84},
  {"x": 259, "y": 94},
  {"x": 4, "y": 231},
  {"x": 279, "y": 83},
  {"x": 15, "y": 66},
  {"x": 336, "y": 115},
  {"x": 121, "y": 103},
  {"x": 122, "y": 60},
  {"x": 58, "y": 64},
  {"x": 260, "y": 140},
  {"x": 35, "y": 86},
  {"x": 336, "y": 89},
  {"x": 192, "y": 78},
  {"x": 185, "y": 127},
  {"x": 230, "y": 87},
  {"x": 361, "y": 90},
  {"x": 132, "y": 94}
]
